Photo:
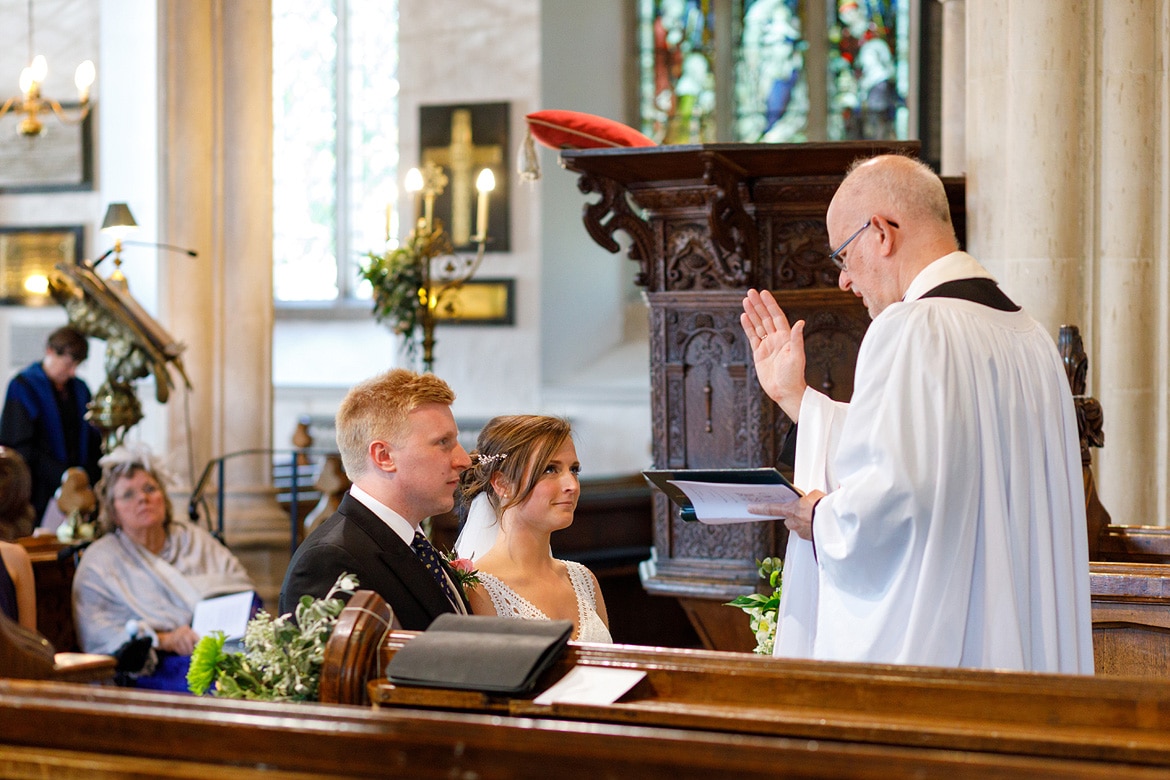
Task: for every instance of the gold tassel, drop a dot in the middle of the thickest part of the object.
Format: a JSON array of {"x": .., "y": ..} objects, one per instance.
[{"x": 528, "y": 162}]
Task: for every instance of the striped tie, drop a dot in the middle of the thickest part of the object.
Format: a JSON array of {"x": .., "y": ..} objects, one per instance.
[{"x": 430, "y": 558}]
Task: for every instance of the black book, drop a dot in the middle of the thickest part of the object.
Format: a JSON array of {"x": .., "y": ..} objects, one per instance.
[
  {"x": 480, "y": 653},
  {"x": 721, "y": 496}
]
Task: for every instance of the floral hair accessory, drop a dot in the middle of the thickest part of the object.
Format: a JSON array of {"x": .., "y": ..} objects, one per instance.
[
  {"x": 136, "y": 454},
  {"x": 490, "y": 460}
]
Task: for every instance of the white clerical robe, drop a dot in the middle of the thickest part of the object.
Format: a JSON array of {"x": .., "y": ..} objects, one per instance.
[{"x": 953, "y": 532}]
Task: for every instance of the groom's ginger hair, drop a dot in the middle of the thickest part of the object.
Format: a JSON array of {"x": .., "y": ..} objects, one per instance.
[{"x": 376, "y": 410}]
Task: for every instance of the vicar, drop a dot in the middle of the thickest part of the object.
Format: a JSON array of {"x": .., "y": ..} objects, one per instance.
[{"x": 944, "y": 522}]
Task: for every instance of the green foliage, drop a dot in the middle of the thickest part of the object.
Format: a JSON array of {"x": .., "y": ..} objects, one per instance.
[
  {"x": 398, "y": 285},
  {"x": 763, "y": 609},
  {"x": 281, "y": 660},
  {"x": 400, "y": 280}
]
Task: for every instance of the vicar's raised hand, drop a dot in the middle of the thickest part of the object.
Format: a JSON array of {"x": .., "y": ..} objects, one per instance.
[{"x": 777, "y": 349}]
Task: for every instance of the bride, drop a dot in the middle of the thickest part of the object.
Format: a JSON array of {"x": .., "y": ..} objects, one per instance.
[{"x": 523, "y": 485}]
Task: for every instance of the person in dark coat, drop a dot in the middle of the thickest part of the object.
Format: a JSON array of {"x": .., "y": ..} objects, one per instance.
[
  {"x": 400, "y": 447},
  {"x": 44, "y": 417}
]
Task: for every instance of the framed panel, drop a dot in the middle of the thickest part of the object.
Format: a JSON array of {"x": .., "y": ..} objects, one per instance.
[
  {"x": 479, "y": 302},
  {"x": 29, "y": 254},
  {"x": 464, "y": 139},
  {"x": 59, "y": 159}
]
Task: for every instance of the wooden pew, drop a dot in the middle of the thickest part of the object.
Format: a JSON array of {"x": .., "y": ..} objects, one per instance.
[
  {"x": 50, "y": 730},
  {"x": 1092, "y": 719},
  {"x": 53, "y": 568},
  {"x": 27, "y": 655}
]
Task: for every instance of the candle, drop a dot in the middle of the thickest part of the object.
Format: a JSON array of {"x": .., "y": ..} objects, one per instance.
[
  {"x": 485, "y": 183},
  {"x": 413, "y": 184}
]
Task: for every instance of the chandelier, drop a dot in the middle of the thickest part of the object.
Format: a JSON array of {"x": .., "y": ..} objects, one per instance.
[{"x": 32, "y": 104}]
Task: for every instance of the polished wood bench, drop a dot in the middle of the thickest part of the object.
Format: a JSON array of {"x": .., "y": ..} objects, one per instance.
[
  {"x": 53, "y": 729},
  {"x": 1114, "y": 720},
  {"x": 27, "y": 655}
]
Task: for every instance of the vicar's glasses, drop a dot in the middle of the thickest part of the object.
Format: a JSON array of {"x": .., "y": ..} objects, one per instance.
[{"x": 835, "y": 256}]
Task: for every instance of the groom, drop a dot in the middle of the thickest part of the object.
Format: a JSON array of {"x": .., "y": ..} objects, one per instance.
[{"x": 399, "y": 445}]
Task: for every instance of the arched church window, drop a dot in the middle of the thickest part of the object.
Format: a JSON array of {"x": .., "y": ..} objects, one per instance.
[
  {"x": 335, "y": 145},
  {"x": 759, "y": 71}
]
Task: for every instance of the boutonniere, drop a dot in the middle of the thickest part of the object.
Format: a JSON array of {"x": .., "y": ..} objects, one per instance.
[{"x": 463, "y": 571}]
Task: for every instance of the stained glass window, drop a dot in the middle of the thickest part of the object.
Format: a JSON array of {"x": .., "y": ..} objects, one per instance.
[
  {"x": 803, "y": 69},
  {"x": 869, "y": 75},
  {"x": 678, "y": 89},
  {"x": 335, "y": 145}
]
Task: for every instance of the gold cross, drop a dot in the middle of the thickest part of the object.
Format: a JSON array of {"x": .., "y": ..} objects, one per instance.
[{"x": 464, "y": 158}]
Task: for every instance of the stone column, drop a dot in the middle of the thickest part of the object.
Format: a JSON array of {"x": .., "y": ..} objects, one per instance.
[
  {"x": 1067, "y": 193},
  {"x": 1129, "y": 133},
  {"x": 954, "y": 87},
  {"x": 216, "y": 192},
  {"x": 1026, "y": 173}
]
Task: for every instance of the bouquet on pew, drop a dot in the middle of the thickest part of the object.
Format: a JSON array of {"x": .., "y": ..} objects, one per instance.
[
  {"x": 763, "y": 609},
  {"x": 282, "y": 657}
]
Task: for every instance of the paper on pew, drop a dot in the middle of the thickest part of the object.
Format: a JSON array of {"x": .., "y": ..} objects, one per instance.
[
  {"x": 228, "y": 614},
  {"x": 721, "y": 503},
  {"x": 591, "y": 685}
]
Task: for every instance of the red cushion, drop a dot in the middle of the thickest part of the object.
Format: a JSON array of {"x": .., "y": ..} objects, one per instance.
[{"x": 574, "y": 130}]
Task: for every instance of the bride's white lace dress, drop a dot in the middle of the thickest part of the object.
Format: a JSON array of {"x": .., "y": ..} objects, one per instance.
[{"x": 510, "y": 604}]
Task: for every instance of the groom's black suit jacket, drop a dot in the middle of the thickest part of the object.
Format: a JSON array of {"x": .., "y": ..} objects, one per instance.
[{"x": 354, "y": 540}]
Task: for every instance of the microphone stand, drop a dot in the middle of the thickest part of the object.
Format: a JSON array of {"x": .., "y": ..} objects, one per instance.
[{"x": 118, "y": 245}]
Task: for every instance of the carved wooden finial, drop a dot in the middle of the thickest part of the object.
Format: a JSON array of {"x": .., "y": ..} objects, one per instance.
[
  {"x": 75, "y": 493},
  {"x": 1090, "y": 425},
  {"x": 332, "y": 483},
  {"x": 302, "y": 439},
  {"x": 1090, "y": 416}
]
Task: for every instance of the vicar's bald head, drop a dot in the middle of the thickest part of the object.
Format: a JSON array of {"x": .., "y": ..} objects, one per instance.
[
  {"x": 888, "y": 220},
  {"x": 900, "y": 188}
]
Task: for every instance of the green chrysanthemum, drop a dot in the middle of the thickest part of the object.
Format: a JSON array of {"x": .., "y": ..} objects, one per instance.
[{"x": 205, "y": 662}]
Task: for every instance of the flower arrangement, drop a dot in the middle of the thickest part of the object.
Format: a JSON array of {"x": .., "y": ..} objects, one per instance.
[
  {"x": 399, "y": 283},
  {"x": 281, "y": 659},
  {"x": 763, "y": 609}
]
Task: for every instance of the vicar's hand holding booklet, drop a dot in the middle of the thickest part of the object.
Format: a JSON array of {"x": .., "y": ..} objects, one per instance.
[{"x": 722, "y": 496}]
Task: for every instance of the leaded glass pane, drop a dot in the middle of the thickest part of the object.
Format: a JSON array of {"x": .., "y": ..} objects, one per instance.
[
  {"x": 771, "y": 90},
  {"x": 869, "y": 77},
  {"x": 860, "y": 56},
  {"x": 678, "y": 86},
  {"x": 335, "y": 87},
  {"x": 373, "y": 129},
  {"x": 304, "y": 51}
]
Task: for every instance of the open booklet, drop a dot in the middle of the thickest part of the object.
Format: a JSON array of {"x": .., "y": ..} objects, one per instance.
[
  {"x": 229, "y": 614},
  {"x": 722, "y": 496}
]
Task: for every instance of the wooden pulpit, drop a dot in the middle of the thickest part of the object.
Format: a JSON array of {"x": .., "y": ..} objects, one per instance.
[{"x": 706, "y": 223}]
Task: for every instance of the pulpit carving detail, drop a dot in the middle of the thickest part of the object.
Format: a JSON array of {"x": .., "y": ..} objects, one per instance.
[
  {"x": 615, "y": 205},
  {"x": 801, "y": 258},
  {"x": 733, "y": 231}
]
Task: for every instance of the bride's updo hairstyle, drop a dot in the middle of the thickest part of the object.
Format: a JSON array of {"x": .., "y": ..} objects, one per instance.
[{"x": 519, "y": 447}]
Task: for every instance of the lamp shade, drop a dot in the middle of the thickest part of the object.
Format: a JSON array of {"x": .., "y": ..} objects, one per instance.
[{"x": 118, "y": 219}]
